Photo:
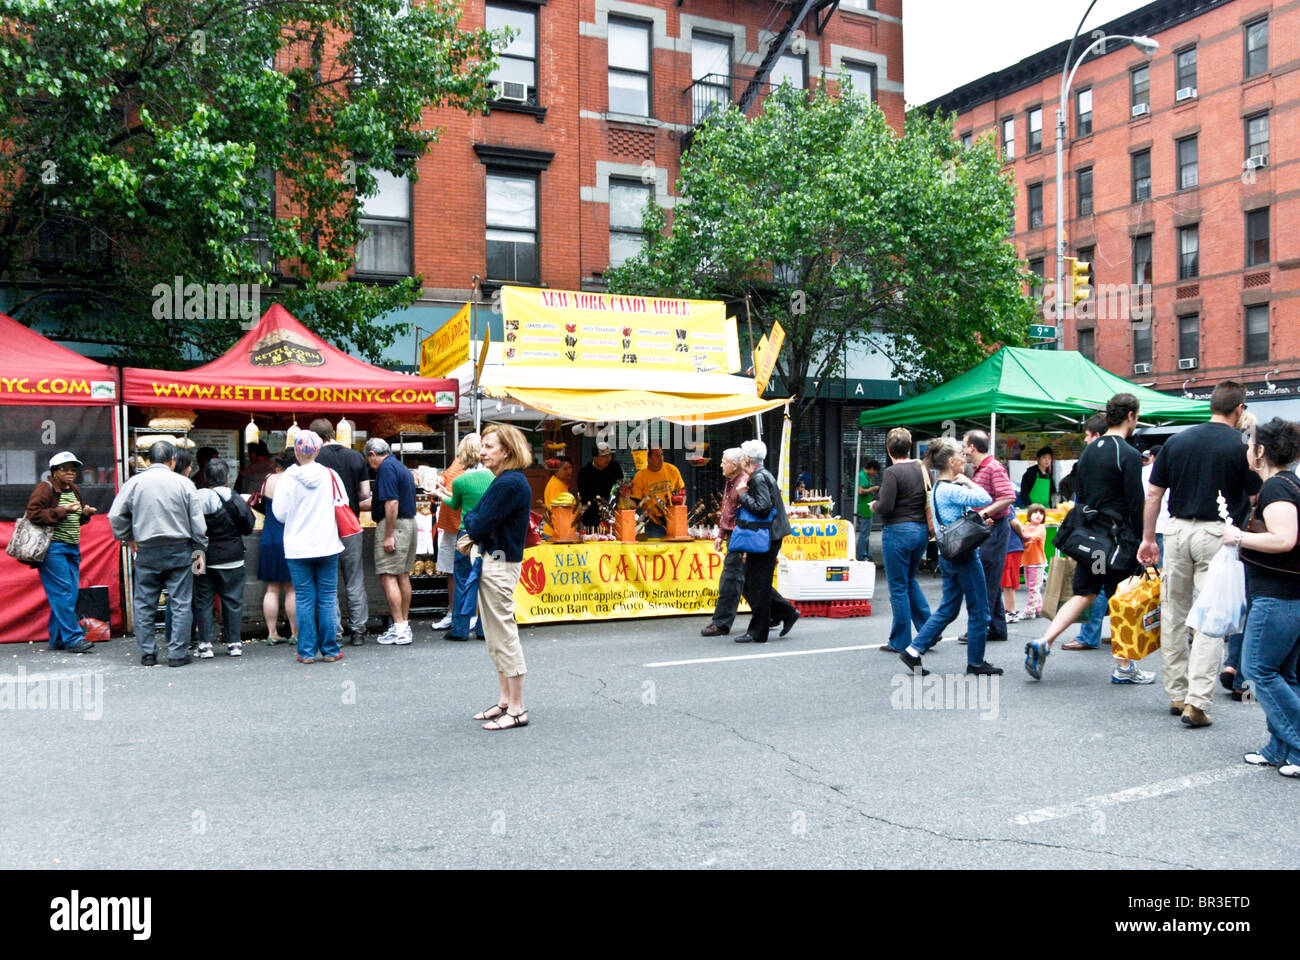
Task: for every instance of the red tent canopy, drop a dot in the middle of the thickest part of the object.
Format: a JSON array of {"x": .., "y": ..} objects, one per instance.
[
  {"x": 34, "y": 370},
  {"x": 282, "y": 366}
]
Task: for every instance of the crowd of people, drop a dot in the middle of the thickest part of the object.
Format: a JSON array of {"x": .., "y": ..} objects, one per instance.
[{"x": 1224, "y": 482}]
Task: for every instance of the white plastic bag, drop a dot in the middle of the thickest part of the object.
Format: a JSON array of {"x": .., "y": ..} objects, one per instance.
[{"x": 1220, "y": 608}]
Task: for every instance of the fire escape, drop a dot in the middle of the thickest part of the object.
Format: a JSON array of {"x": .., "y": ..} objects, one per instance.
[{"x": 714, "y": 90}]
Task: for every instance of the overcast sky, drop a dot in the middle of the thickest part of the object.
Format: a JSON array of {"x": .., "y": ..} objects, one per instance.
[{"x": 947, "y": 43}]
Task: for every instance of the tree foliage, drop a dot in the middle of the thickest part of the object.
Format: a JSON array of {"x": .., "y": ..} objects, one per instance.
[
  {"x": 137, "y": 139},
  {"x": 845, "y": 232}
]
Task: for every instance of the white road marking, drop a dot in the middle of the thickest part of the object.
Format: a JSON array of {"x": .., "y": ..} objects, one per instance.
[
  {"x": 1144, "y": 792},
  {"x": 764, "y": 656}
]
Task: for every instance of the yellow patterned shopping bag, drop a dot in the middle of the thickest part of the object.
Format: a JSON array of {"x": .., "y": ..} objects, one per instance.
[{"x": 1135, "y": 616}]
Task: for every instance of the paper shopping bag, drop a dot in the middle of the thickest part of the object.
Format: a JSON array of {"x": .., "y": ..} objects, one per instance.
[
  {"x": 1135, "y": 616},
  {"x": 1060, "y": 580}
]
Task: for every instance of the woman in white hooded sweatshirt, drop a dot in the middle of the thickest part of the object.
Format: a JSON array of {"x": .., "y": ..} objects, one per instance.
[{"x": 304, "y": 503}]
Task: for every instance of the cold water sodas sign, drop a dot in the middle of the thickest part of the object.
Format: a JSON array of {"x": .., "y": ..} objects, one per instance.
[
  {"x": 819, "y": 539},
  {"x": 601, "y": 581}
]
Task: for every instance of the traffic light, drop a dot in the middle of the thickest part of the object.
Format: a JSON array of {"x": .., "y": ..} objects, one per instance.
[{"x": 1080, "y": 283}]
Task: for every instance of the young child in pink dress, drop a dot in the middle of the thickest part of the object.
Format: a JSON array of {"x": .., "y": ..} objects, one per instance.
[{"x": 1034, "y": 535}]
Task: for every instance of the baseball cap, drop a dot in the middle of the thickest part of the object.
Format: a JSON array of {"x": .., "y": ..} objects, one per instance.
[
  {"x": 59, "y": 459},
  {"x": 602, "y": 448}
]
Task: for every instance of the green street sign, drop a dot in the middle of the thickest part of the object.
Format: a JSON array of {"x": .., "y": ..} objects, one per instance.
[
  {"x": 1043, "y": 345},
  {"x": 1038, "y": 331}
]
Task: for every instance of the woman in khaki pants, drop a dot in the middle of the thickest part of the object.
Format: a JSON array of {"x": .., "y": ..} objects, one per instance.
[{"x": 499, "y": 526}]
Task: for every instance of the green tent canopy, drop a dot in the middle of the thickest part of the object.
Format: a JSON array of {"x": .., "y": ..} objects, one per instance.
[{"x": 1032, "y": 389}]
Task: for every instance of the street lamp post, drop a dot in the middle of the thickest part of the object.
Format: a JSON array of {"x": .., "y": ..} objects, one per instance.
[{"x": 1147, "y": 46}]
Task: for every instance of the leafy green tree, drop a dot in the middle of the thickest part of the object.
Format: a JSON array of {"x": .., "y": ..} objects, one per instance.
[
  {"x": 846, "y": 233},
  {"x": 142, "y": 140}
]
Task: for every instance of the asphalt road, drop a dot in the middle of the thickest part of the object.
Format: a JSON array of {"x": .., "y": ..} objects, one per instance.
[{"x": 806, "y": 761}]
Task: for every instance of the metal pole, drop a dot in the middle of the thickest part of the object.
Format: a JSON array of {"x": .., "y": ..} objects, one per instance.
[
  {"x": 857, "y": 472},
  {"x": 993, "y": 433},
  {"x": 1060, "y": 184},
  {"x": 475, "y": 402}
]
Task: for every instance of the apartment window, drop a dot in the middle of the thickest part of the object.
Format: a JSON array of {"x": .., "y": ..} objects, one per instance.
[
  {"x": 512, "y": 228},
  {"x": 1142, "y": 343},
  {"x": 1036, "y": 269},
  {"x": 386, "y": 218},
  {"x": 790, "y": 68},
  {"x": 1256, "y": 48},
  {"x": 1257, "y": 333},
  {"x": 1141, "y": 163},
  {"x": 1189, "y": 337},
  {"x": 1035, "y": 191},
  {"x": 1189, "y": 252},
  {"x": 1188, "y": 166},
  {"x": 1139, "y": 81},
  {"x": 1083, "y": 187},
  {"x": 517, "y": 61},
  {"x": 1257, "y": 237},
  {"x": 1083, "y": 113},
  {"x": 261, "y": 218},
  {"x": 1185, "y": 73},
  {"x": 1257, "y": 136},
  {"x": 1088, "y": 344},
  {"x": 966, "y": 141},
  {"x": 627, "y": 203},
  {"x": 1142, "y": 258},
  {"x": 629, "y": 67},
  {"x": 711, "y": 71},
  {"x": 863, "y": 77},
  {"x": 1034, "y": 121},
  {"x": 1009, "y": 138}
]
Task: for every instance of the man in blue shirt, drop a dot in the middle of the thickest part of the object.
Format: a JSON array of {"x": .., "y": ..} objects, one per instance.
[{"x": 393, "y": 508}]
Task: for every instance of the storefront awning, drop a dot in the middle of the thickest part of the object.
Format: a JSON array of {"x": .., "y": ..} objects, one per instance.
[{"x": 613, "y": 405}]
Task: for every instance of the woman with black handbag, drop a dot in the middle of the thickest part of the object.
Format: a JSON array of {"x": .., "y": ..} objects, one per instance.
[
  {"x": 951, "y": 500},
  {"x": 759, "y": 494},
  {"x": 1271, "y": 647}
]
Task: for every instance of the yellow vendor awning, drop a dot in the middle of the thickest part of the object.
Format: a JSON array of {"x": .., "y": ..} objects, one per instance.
[{"x": 594, "y": 405}]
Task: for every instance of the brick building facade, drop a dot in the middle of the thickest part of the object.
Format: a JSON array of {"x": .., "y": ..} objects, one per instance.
[{"x": 1182, "y": 171}]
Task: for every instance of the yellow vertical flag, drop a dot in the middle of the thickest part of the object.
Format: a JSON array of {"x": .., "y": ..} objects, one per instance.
[{"x": 769, "y": 348}]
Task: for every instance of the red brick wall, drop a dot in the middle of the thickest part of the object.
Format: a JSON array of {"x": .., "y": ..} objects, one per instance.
[
  {"x": 1216, "y": 117},
  {"x": 574, "y": 235}
]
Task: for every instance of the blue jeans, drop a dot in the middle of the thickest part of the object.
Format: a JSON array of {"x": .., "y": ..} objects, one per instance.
[
  {"x": 160, "y": 566},
  {"x": 61, "y": 577},
  {"x": 1090, "y": 632},
  {"x": 902, "y": 546},
  {"x": 1235, "y": 642},
  {"x": 467, "y": 575},
  {"x": 316, "y": 582},
  {"x": 1269, "y": 653},
  {"x": 864, "y": 538},
  {"x": 993, "y": 557},
  {"x": 962, "y": 579}
]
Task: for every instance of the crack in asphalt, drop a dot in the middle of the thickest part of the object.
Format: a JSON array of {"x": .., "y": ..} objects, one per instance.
[{"x": 851, "y": 805}]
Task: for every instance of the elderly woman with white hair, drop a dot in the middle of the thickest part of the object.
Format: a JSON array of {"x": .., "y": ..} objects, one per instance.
[
  {"x": 758, "y": 492},
  {"x": 732, "y": 580},
  {"x": 304, "y": 503}
]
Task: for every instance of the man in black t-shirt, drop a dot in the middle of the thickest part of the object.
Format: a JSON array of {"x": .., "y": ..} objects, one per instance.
[
  {"x": 1196, "y": 467},
  {"x": 596, "y": 479},
  {"x": 352, "y": 470}
]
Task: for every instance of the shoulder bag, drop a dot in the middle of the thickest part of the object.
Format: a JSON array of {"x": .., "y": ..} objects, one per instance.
[
  {"x": 344, "y": 518},
  {"x": 1288, "y": 563},
  {"x": 929, "y": 513},
  {"x": 30, "y": 542},
  {"x": 1087, "y": 534},
  {"x": 959, "y": 538},
  {"x": 752, "y": 534}
]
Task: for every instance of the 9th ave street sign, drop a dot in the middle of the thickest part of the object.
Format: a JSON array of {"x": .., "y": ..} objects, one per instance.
[{"x": 1038, "y": 331}]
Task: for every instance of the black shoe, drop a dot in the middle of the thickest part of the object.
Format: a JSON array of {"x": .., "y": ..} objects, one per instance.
[
  {"x": 357, "y": 638},
  {"x": 713, "y": 630},
  {"x": 746, "y": 638},
  {"x": 179, "y": 661},
  {"x": 448, "y": 636},
  {"x": 886, "y": 648},
  {"x": 992, "y": 639},
  {"x": 82, "y": 646},
  {"x": 788, "y": 624},
  {"x": 912, "y": 663},
  {"x": 149, "y": 660},
  {"x": 985, "y": 669}
]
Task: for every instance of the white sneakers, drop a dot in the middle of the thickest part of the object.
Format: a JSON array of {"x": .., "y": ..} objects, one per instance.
[
  {"x": 235, "y": 649},
  {"x": 444, "y": 623},
  {"x": 205, "y": 651},
  {"x": 399, "y": 634}
]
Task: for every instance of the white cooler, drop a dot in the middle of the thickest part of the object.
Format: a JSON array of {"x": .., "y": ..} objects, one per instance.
[{"x": 825, "y": 579}]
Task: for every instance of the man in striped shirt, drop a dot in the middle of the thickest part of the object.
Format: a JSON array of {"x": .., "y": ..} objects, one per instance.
[{"x": 993, "y": 477}]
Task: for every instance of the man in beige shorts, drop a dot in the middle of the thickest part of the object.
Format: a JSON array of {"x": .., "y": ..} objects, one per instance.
[{"x": 393, "y": 507}]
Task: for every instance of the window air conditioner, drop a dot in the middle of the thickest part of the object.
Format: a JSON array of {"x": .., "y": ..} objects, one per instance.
[
  {"x": 1187, "y": 363},
  {"x": 513, "y": 91},
  {"x": 1141, "y": 368},
  {"x": 1254, "y": 163},
  {"x": 1141, "y": 109},
  {"x": 1185, "y": 93}
]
